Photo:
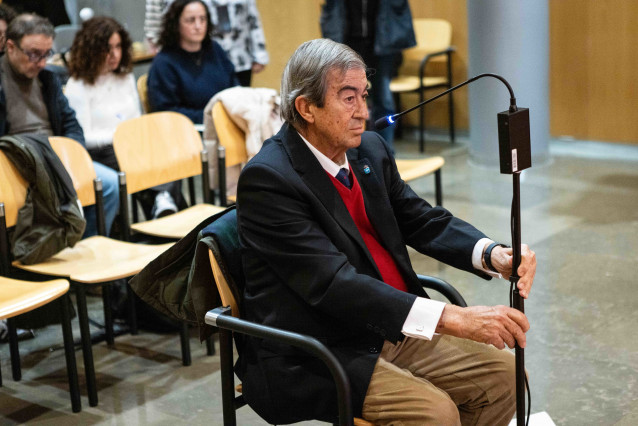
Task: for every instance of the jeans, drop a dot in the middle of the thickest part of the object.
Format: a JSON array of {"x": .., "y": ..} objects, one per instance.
[
  {"x": 111, "y": 200},
  {"x": 382, "y": 100}
]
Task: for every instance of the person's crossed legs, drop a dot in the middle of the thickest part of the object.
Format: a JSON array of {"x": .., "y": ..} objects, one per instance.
[{"x": 446, "y": 381}]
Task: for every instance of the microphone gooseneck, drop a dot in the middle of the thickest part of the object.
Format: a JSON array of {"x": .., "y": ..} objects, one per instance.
[{"x": 389, "y": 120}]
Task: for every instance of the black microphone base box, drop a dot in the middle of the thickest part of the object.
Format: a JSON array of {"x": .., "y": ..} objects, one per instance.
[{"x": 514, "y": 141}]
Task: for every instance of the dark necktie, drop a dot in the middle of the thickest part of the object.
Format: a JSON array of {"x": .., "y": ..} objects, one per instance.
[{"x": 342, "y": 177}]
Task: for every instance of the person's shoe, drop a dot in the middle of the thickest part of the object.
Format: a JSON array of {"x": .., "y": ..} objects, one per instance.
[
  {"x": 164, "y": 205},
  {"x": 22, "y": 333}
]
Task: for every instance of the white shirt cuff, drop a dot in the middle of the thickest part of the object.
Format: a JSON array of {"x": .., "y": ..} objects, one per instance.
[
  {"x": 477, "y": 257},
  {"x": 423, "y": 318}
]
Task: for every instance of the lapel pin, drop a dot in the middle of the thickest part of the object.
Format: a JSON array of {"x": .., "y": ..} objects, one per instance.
[{"x": 366, "y": 169}]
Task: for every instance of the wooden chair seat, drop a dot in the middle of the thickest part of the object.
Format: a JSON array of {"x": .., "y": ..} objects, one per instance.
[
  {"x": 415, "y": 168},
  {"x": 98, "y": 259},
  {"x": 405, "y": 83},
  {"x": 18, "y": 296},
  {"x": 179, "y": 224}
]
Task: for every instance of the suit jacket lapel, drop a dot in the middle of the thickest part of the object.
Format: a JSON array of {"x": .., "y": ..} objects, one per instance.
[
  {"x": 316, "y": 178},
  {"x": 381, "y": 216}
]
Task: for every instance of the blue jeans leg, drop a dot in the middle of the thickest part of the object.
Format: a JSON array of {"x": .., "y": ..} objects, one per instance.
[
  {"x": 382, "y": 100},
  {"x": 111, "y": 196}
]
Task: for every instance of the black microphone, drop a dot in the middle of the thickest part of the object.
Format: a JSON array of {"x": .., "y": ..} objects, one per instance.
[{"x": 513, "y": 128}]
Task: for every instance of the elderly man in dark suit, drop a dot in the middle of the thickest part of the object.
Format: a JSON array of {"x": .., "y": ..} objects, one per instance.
[{"x": 324, "y": 219}]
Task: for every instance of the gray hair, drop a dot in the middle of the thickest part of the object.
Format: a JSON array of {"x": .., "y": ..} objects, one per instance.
[
  {"x": 29, "y": 24},
  {"x": 306, "y": 74}
]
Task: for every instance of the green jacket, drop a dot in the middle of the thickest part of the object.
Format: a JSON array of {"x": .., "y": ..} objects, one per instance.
[
  {"x": 179, "y": 283},
  {"x": 50, "y": 219}
]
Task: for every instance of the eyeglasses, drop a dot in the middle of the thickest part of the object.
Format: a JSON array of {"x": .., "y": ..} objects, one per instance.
[{"x": 35, "y": 57}]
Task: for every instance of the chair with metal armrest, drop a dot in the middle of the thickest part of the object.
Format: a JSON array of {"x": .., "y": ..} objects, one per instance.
[{"x": 226, "y": 269}]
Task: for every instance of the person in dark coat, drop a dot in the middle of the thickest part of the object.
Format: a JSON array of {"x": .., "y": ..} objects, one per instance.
[
  {"x": 324, "y": 220},
  {"x": 378, "y": 30}
]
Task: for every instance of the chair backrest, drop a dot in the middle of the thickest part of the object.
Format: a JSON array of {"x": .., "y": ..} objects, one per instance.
[
  {"x": 225, "y": 259},
  {"x": 142, "y": 90},
  {"x": 157, "y": 148},
  {"x": 78, "y": 164},
  {"x": 230, "y": 136},
  {"x": 432, "y": 35},
  {"x": 13, "y": 189}
]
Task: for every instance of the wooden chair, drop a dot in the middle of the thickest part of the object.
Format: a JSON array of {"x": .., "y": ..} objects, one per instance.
[
  {"x": 18, "y": 297},
  {"x": 231, "y": 147},
  {"x": 225, "y": 263},
  {"x": 94, "y": 261},
  {"x": 433, "y": 37},
  {"x": 158, "y": 148},
  {"x": 142, "y": 91},
  {"x": 72, "y": 153},
  {"x": 411, "y": 169}
]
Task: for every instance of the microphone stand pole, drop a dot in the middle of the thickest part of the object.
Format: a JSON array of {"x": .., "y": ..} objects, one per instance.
[
  {"x": 517, "y": 299},
  {"x": 508, "y": 165}
]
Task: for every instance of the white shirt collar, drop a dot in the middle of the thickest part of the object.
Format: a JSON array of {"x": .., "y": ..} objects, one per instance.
[{"x": 328, "y": 165}]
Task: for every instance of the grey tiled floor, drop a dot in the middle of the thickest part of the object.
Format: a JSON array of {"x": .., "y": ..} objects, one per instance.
[{"x": 580, "y": 214}]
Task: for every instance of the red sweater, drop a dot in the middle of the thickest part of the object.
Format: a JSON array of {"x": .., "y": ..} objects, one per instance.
[{"x": 353, "y": 199}]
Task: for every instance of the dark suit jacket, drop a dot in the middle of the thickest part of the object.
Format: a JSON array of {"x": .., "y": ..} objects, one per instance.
[{"x": 308, "y": 270}]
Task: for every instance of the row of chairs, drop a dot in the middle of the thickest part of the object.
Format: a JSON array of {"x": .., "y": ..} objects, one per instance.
[{"x": 154, "y": 149}]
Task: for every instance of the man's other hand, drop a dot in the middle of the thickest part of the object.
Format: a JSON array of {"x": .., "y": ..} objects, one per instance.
[{"x": 502, "y": 260}]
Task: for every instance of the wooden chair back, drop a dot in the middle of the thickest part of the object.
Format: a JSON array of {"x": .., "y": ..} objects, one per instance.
[
  {"x": 157, "y": 148},
  {"x": 78, "y": 164},
  {"x": 142, "y": 91},
  {"x": 13, "y": 190},
  {"x": 226, "y": 295},
  {"x": 432, "y": 35},
  {"x": 230, "y": 136}
]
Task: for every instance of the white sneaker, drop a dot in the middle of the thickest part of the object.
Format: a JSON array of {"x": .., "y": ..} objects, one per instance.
[{"x": 164, "y": 205}]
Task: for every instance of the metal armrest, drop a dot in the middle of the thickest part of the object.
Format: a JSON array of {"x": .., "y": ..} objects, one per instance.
[
  {"x": 443, "y": 287},
  {"x": 221, "y": 317}
]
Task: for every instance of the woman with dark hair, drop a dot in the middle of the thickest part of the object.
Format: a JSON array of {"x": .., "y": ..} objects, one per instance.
[
  {"x": 102, "y": 89},
  {"x": 191, "y": 67},
  {"x": 6, "y": 16}
]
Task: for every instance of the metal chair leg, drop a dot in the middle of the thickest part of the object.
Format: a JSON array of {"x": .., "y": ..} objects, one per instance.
[
  {"x": 132, "y": 311},
  {"x": 438, "y": 190},
  {"x": 228, "y": 379},
  {"x": 14, "y": 350},
  {"x": 185, "y": 343},
  {"x": 69, "y": 354},
  {"x": 87, "y": 349},
  {"x": 210, "y": 346},
  {"x": 108, "y": 314}
]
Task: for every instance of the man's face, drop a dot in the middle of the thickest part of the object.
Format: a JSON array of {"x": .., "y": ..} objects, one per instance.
[
  {"x": 35, "y": 45},
  {"x": 338, "y": 125}
]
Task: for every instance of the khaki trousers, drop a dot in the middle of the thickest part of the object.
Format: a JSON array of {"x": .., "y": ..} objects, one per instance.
[{"x": 445, "y": 381}]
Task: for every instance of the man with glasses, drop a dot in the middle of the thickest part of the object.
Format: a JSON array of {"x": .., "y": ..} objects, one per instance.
[{"x": 31, "y": 101}]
